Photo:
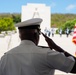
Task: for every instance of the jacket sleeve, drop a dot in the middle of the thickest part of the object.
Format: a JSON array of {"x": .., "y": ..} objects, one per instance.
[
  {"x": 74, "y": 67},
  {"x": 59, "y": 61}
]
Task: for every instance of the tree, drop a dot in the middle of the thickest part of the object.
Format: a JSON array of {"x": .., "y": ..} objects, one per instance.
[
  {"x": 69, "y": 25},
  {"x": 6, "y": 24},
  {"x": 16, "y": 18}
]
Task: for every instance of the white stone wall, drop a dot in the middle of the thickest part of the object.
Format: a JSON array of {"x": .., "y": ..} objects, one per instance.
[{"x": 32, "y": 10}]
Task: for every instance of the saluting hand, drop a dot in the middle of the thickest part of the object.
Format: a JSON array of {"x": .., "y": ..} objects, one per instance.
[{"x": 50, "y": 42}]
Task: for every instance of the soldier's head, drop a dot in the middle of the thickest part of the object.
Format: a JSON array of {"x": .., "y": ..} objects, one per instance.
[{"x": 30, "y": 29}]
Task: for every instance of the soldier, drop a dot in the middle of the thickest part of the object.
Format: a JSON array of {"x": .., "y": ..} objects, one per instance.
[
  {"x": 60, "y": 32},
  {"x": 29, "y": 59},
  {"x": 67, "y": 32}
]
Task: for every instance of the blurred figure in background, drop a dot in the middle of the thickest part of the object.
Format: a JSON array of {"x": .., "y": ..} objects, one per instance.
[
  {"x": 52, "y": 32},
  {"x": 60, "y": 32},
  {"x": 67, "y": 32}
]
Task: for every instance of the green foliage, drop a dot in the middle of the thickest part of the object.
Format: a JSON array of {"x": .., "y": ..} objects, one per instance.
[
  {"x": 8, "y": 20},
  {"x": 60, "y": 19},
  {"x": 16, "y": 18},
  {"x": 6, "y": 24},
  {"x": 63, "y": 21},
  {"x": 74, "y": 21},
  {"x": 68, "y": 24}
]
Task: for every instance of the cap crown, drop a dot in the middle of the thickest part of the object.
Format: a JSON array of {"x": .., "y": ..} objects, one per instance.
[{"x": 30, "y": 22}]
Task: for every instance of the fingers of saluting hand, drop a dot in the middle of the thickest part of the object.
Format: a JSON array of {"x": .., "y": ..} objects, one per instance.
[
  {"x": 44, "y": 35},
  {"x": 48, "y": 40}
]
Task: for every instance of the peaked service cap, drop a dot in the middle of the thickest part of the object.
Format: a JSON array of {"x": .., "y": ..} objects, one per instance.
[{"x": 30, "y": 22}]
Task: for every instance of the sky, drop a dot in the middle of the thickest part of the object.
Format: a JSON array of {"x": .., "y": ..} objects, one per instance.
[{"x": 56, "y": 6}]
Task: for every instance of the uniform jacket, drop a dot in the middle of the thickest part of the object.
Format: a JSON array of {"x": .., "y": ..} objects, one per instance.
[{"x": 29, "y": 59}]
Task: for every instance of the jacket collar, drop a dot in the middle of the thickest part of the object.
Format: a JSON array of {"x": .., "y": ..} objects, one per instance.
[{"x": 27, "y": 42}]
